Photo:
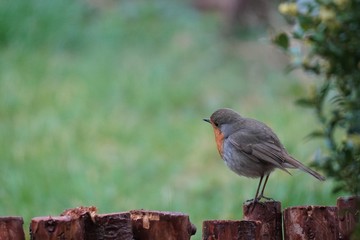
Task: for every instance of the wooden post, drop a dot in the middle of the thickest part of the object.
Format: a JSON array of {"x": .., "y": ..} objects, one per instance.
[
  {"x": 82, "y": 223},
  {"x": 269, "y": 214},
  {"x": 102, "y": 226},
  {"x": 54, "y": 228},
  {"x": 348, "y": 212},
  {"x": 161, "y": 225},
  {"x": 311, "y": 222},
  {"x": 11, "y": 228},
  {"x": 109, "y": 226},
  {"x": 231, "y": 230}
]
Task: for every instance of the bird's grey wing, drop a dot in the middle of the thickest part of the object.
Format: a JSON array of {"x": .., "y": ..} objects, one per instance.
[{"x": 259, "y": 147}]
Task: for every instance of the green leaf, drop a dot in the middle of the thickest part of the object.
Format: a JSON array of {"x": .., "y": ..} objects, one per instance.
[
  {"x": 282, "y": 40},
  {"x": 316, "y": 134},
  {"x": 307, "y": 22},
  {"x": 306, "y": 102}
]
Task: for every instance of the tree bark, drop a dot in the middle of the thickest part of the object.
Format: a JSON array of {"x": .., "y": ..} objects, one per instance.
[
  {"x": 269, "y": 214},
  {"x": 161, "y": 225},
  {"x": 348, "y": 212},
  {"x": 311, "y": 222},
  {"x": 231, "y": 230},
  {"x": 12, "y": 228}
]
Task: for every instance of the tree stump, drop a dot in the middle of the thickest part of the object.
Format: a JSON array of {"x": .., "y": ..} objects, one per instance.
[
  {"x": 54, "y": 228},
  {"x": 269, "y": 214},
  {"x": 82, "y": 223},
  {"x": 231, "y": 230},
  {"x": 161, "y": 225},
  {"x": 311, "y": 222},
  {"x": 11, "y": 228},
  {"x": 109, "y": 226},
  {"x": 348, "y": 213}
]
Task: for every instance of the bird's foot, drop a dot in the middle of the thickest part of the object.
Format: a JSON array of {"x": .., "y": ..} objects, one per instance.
[
  {"x": 251, "y": 200},
  {"x": 252, "y": 203},
  {"x": 259, "y": 198},
  {"x": 263, "y": 197}
]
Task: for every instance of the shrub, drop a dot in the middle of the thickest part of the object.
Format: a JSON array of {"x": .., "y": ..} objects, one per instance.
[{"x": 329, "y": 33}]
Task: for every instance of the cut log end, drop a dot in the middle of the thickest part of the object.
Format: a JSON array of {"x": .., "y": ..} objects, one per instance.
[
  {"x": 12, "y": 228},
  {"x": 231, "y": 230},
  {"x": 311, "y": 222},
  {"x": 269, "y": 214},
  {"x": 161, "y": 225}
]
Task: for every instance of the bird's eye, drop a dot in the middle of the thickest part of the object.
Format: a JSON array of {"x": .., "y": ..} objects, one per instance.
[{"x": 216, "y": 124}]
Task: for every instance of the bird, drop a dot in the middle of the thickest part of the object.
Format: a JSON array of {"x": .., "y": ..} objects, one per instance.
[{"x": 250, "y": 148}]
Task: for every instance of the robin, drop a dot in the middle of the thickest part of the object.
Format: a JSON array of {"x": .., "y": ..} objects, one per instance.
[{"x": 251, "y": 149}]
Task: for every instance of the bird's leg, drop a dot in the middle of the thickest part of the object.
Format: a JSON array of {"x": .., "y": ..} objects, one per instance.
[
  {"x": 258, "y": 188},
  {"x": 255, "y": 200},
  {"x": 263, "y": 189}
]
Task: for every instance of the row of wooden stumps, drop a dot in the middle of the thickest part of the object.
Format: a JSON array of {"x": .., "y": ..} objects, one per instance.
[
  {"x": 84, "y": 223},
  {"x": 264, "y": 221}
]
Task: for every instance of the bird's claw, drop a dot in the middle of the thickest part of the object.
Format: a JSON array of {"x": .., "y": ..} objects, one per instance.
[
  {"x": 263, "y": 197},
  {"x": 259, "y": 198},
  {"x": 255, "y": 201}
]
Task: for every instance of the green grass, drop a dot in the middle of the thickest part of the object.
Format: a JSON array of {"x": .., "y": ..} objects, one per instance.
[{"x": 110, "y": 114}]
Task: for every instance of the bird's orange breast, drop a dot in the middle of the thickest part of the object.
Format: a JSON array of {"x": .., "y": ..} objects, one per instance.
[{"x": 219, "y": 139}]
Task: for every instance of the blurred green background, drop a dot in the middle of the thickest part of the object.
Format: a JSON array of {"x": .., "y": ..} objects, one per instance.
[{"x": 101, "y": 103}]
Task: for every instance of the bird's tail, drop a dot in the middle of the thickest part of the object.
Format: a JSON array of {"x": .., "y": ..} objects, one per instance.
[{"x": 293, "y": 163}]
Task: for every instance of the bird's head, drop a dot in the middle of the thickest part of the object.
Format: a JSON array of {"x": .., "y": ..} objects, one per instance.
[{"x": 224, "y": 119}]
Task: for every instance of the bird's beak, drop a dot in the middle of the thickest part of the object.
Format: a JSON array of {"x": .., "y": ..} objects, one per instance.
[{"x": 207, "y": 120}]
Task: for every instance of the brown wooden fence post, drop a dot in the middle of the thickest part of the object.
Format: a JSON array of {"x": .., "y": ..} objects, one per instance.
[
  {"x": 54, "y": 228},
  {"x": 231, "y": 230},
  {"x": 82, "y": 223},
  {"x": 109, "y": 226},
  {"x": 311, "y": 222},
  {"x": 348, "y": 212},
  {"x": 161, "y": 225},
  {"x": 269, "y": 214},
  {"x": 11, "y": 228}
]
